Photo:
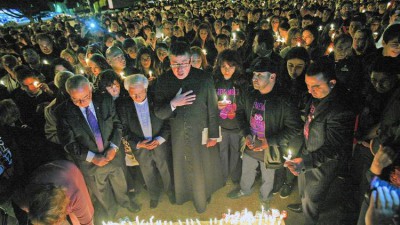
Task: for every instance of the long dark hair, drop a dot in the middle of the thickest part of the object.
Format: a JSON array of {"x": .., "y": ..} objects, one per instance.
[{"x": 231, "y": 57}]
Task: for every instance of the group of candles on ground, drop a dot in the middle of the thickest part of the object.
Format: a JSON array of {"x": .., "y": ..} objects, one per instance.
[{"x": 245, "y": 217}]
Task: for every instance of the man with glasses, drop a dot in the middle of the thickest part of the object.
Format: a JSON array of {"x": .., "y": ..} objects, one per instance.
[
  {"x": 90, "y": 131},
  {"x": 267, "y": 120},
  {"x": 116, "y": 58},
  {"x": 186, "y": 96}
]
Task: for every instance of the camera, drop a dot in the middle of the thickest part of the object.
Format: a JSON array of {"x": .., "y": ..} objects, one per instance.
[{"x": 377, "y": 182}]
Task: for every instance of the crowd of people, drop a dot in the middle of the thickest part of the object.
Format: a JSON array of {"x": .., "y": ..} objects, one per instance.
[{"x": 186, "y": 98}]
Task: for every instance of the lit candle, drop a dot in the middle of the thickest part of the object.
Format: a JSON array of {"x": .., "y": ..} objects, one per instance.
[
  {"x": 204, "y": 51},
  {"x": 332, "y": 26},
  {"x": 388, "y": 5},
  {"x": 298, "y": 44},
  {"x": 109, "y": 30},
  {"x": 262, "y": 209},
  {"x": 162, "y": 36},
  {"x": 151, "y": 220},
  {"x": 36, "y": 83},
  {"x": 375, "y": 33},
  {"x": 137, "y": 220},
  {"x": 320, "y": 28},
  {"x": 150, "y": 74},
  {"x": 180, "y": 222},
  {"x": 333, "y": 36},
  {"x": 238, "y": 29},
  {"x": 187, "y": 222},
  {"x": 330, "y": 49},
  {"x": 2, "y": 83},
  {"x": 224, "y": 101},
  {"x": 45, "y": 62},
  {"x": 122, "y": 75},
  {"x": 211, "y": 222},
  {"x": 198, "y": 222},
  {"x": 215, "y": 221},
  {"x": 234, "y": 36},
  {"x": 82, "y": 71},
  {"x": 363, "y": 11},
  {"x": 289, "y": 157}
]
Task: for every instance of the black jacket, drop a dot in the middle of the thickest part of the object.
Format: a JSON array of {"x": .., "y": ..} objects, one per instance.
[
  {"x": 330, "y": 130},
  {"x": 282, "y": 119}
]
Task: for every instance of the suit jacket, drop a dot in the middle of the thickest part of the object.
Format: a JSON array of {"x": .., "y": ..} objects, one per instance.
[
  {"x": 131, "y": 125},
  {"x": 330, "y": 130},
  {"x": 76, "y": 136}
]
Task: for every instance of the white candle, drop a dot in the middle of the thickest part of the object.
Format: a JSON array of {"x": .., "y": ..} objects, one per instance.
[
  {"x": 289, "y": 157},
  {"x": 122, "y": 75},
  {"x": 150, "y": 74},
  {"x": 82, "y": 71},
  {"x": 388, "y": 5},
  {"x": 204, "y": 51},
  {"x": 45, "y": 62},
  {"x": 320, "y": 28},
  {"x": 234, "y": 36},
  {"x": 211, "y": 222},
  {"x": 137, "y": 220},
  {"x": 151, "y": 220},
  {"x": 180, "y": 222},
  {"x": 298, "y": 44},
  {"x": 332, "y": 26},
  {"x": 2, "y": 83}
]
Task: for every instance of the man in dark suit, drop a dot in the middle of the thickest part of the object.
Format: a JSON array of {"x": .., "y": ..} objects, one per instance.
[
  {"x": 328, "y": 134},
  {"x": 90, "y": 131},
  {"x": 147, "y": 136}
]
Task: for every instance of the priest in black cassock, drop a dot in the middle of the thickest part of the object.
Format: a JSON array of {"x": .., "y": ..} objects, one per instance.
[{"x": 186, "y": 96}]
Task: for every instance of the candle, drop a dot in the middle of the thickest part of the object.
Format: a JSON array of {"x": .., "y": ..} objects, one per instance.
[
  {"x": 122, "y": 75},
  {"x": 289, "y": 157},
  {"x": 363, "y": 11},
  {"x": 238, "y": 29},
  {"x": 45, "y": 62},
  {"x": 151, "y": 220},
  {"x": 333, "y": 36},
  {"x": 198, "y": 222},
  {"x": 187, "y": 222},
  {"x": 150, "y": 74},
  {"x": 388, "y": 5},
  {"x": 332, "y": 26},
  {"x": 82, "y": 71},
  {"x": 180, "y": 222},
  {"x": 36, "y": 83},
  {"x": 320, "y": 28},
  {"x": 298, "y": 44},
  {"x": 2, "y": 83},
  {"x": 211, "y": 222},
  {"x": 204, "y": 51},
  {"x": 330, "y": 49},
  {"x": 224, "y": 100},
  {"x": 137, "y": 220},
  {"x": 234, "y": 36},
  {"x": 162, "y": 36}
]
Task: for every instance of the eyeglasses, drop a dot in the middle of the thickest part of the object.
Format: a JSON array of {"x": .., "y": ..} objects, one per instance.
[
  {"x": 83, "y": 100},
  {"x": 119, "y": 58},
  {"x": 180, "y": 65}
]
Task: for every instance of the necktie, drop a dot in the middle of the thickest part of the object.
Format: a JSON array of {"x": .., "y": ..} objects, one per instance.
[
  {"x": 94, "y": 126},
  {"x": 309, "y": 118}
]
